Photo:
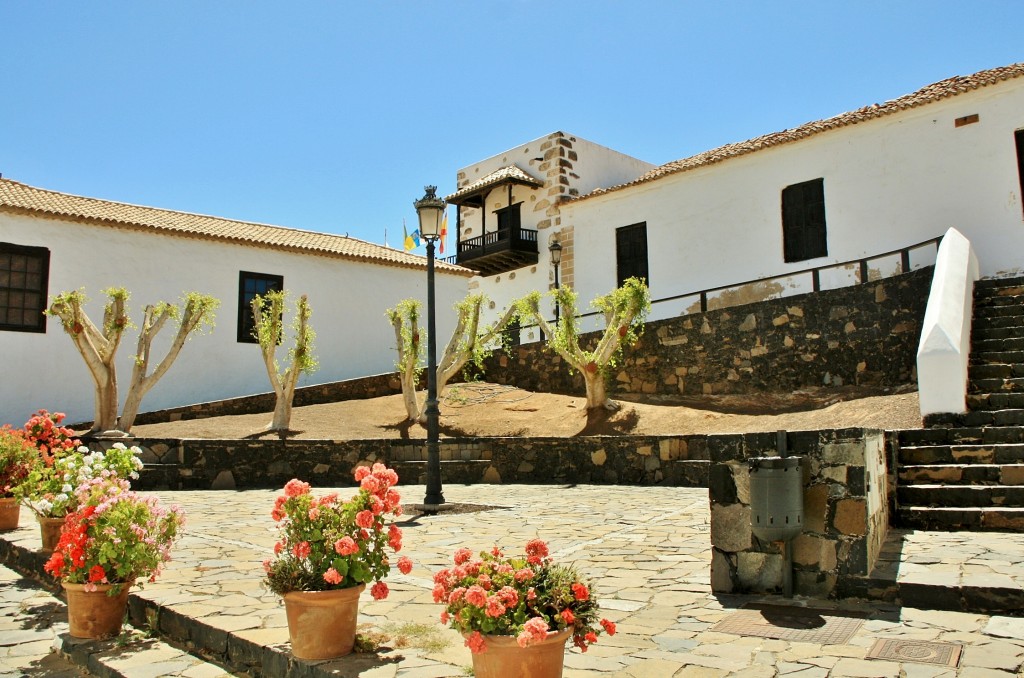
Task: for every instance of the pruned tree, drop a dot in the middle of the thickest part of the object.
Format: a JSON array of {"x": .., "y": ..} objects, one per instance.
[
  {"x": 624, "y": 310},
  {"x": 268, "y": 316},
  {"x": 197, "y": 311},
  {"x": 469, "y": 343},
  {"x": 97, "y": 345}
]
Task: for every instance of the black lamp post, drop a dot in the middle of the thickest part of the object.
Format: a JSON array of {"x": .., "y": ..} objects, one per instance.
[
  {"x": 429, "y": 209},
  {"x": 556, "y": 259}
]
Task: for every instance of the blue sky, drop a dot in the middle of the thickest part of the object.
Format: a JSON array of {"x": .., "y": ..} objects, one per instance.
[{"x": 331, "y": 116}]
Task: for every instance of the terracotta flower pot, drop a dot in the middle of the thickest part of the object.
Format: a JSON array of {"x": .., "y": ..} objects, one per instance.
[
  {"x": 49, "y": 531},
  {"x": 503, "y": 658},
  {"x": 94, "y": 614},
  {"x": 10, "y": 511},
  {"x": 322, "y": 624}
]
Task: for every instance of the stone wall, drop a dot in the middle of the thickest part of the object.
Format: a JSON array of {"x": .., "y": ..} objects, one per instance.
[
  {"x": 846, "y": 512},
  {"x": 350, "y": 389},
  {"x": 864, "y": 335},
  {"x": 229, "y": 464}
]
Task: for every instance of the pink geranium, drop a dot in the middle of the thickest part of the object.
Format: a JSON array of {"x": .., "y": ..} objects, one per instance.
[{"x": 327, "y": 544}]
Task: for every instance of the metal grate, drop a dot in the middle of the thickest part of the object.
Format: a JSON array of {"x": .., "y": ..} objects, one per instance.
[
  {"x": 799, "y": 624},
  {"x": 918, "y": 651}
]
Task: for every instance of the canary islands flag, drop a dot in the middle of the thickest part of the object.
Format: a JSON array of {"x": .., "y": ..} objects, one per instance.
[
  {"x": 407, "y": 242},
  {"x": 444, "y": 230}
]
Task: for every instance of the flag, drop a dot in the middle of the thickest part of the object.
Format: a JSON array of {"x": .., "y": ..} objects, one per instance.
[
  {"x": 444, "y": 230},
  {"x": 386, "y": 238},
  {"x": 407, "y": 241},
  {"x": 416, "y": 237}
]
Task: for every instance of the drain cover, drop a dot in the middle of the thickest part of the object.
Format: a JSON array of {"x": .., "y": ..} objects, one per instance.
[
  {"x": 800, "y": 624},
  {"x": 919, "y": 651}
]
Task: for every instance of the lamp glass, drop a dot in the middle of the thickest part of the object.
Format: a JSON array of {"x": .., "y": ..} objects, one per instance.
[{"x": 556, "y": 252}]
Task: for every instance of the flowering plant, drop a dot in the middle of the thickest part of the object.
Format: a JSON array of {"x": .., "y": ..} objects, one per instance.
[
  {"x": 115, "y": 536},
  {"x": 327, "y": 544},
  {"x": 44, "y": 431},
  {"x": 50, "y": 487},
  {"x": 17, "y": 459},
  {"x": 523, "y": 596}
]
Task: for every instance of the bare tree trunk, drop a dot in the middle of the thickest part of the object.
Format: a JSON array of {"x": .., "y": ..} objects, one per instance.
[
  {"x": 597, "y": 392},
  {"x": 106, "y": 404},
  {"x": 282, "y": 413}
]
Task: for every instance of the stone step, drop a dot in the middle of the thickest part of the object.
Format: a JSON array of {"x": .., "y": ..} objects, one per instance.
[
  {"x": 998, "y": 322},
  {"x": 977, "y": 417},
  {"x": 946, "y": 519},
  {"x": 930, "y": 455},
  {"x": 976, "y": 435},
  {"x": 960, "y": 496},
  {"x": 992, "y": 300},
  {"x": 997, "y": 345},
  {"x": 988, "y": 334},
  {"x": 997, "y": 357},
  {"x": 998, "y": 311},
  {"x": 994, "y": 370},
  {"x": 998, "y": 285},
  {"x": 962, "y": 474},
  {"x": 996, "y": 385},
  {"x": 995, "y": 401}
]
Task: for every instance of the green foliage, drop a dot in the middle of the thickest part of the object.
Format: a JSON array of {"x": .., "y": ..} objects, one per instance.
[
  {"x": 18, "y": 459},
  {"x": 269, "y": 319},
  {"x": 411, "y": 353}
]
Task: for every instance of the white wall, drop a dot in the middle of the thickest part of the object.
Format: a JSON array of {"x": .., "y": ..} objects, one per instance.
[
  {"x": 349, "y": 299},
  {"x": 889, "y": 183}
]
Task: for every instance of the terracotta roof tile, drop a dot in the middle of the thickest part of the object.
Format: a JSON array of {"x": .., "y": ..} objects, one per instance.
[
  {"x": 18, "y": 197},
  {"x": 499, "y": 176},
  {"x": 935, "y": 92}
]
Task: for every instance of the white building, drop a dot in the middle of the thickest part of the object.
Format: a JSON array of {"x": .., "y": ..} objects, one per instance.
[
  {"x": 52, "y": 242},
  {"x": 849, "y": 188}
]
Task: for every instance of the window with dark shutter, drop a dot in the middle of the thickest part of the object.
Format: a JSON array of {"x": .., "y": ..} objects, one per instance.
[
  {"x": 1019, "y": 138},
  {"x": 24, "y": 280},
  {"x": 631, "y": 253},
  {"x": 249, "y": 285},
  {"x": 803, "y": 221},
  {"x": 508, "y": 221}
]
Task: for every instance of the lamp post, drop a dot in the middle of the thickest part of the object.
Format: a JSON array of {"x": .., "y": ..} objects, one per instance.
[
  {"x": 556, "y": 259},
  {"x": 429, "y": 209}
]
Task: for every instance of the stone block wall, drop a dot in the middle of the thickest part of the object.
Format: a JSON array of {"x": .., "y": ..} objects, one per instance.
[
  {"x": 846, "y": 513},
  {"x": 236, "y": 464},
  {"x": 864, "y": 334}
]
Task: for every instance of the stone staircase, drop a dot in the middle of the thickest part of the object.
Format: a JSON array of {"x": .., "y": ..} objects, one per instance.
[{"x": 966, "y": 471}]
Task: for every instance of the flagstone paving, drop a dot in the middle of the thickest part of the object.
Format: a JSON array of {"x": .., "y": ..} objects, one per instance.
[{"x": 647, "y": 550}]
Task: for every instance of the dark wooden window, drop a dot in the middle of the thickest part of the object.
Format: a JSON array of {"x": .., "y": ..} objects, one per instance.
[
  {"x": 803, "y": 221},
  {"x": 631, "y": 253},
  {"x": 249, "y": 285},
  {"x": 508, "y": 220},
  {"x": 1019, "y": 137},
  {"x": 24, "y": 277}
]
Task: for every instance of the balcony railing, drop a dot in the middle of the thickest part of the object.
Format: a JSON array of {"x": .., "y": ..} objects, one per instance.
[{"x": 498, "y": 251}]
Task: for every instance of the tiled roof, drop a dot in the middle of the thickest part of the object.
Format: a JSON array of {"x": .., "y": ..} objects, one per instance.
[
  {"x": 18, "y": 197},
  {"x": 935, "y": 92},
  {"x": 511, "y": 173}
]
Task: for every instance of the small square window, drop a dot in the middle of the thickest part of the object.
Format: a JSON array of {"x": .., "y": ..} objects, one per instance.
[
  {"x": 250, "y": 285},
  {"x": 24, "y": 275}
]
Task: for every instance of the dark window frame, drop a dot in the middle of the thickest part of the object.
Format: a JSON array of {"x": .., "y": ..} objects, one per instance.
[
  {"x": 513, "y": 217},
  {"x": 266, "y": 282},
  {"x": 632, "y": 264},
  {"x": 1018, "y": 138},
  {"x": 804, "y": 224},
  {"x": 42, "y": 290}
]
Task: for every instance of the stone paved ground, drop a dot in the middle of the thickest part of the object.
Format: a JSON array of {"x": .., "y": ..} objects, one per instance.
[{"x": 647, "y": 548}]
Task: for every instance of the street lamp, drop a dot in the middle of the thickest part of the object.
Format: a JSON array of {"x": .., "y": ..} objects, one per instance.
[
  {"x": 556, "y": 259},
  {"x": 429, "y": 209}
]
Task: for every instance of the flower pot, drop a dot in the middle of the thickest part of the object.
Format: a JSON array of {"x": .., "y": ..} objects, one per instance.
[
  {"x": 49, "y": 531},
  {"x": 503, "y": 658},
  {"x": 94, "y": 614},
  {"x": 322, "y": 624},
  {"x": 10, "y": 511}
]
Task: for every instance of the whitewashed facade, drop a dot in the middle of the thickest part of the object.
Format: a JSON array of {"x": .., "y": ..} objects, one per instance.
[
  {"x": 893, "y": 175},
  {"x": 349, "y": 283}
]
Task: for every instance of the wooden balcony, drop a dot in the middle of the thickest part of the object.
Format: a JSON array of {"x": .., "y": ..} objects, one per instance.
[{"x": 498, "y": 251}]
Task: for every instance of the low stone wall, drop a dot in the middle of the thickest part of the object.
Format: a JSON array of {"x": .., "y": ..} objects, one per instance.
[
  {"x": 229, "y": 464},
  {"x": 350, "y": 389},
  {"x": 846, "y": 512},
  {"x": 864, "y": 335}
]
